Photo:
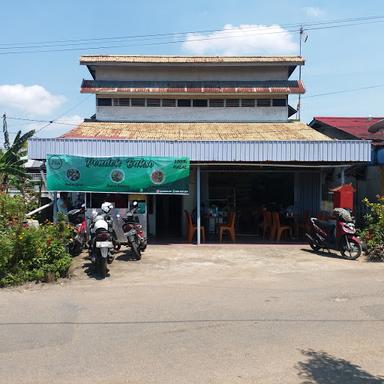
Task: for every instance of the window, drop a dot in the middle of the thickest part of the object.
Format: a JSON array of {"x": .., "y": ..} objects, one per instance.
[
  {"x": 279, "y": 102},
  {"x": 216, "y": 103},
  {"x": 124, "y": 102},
  {"x": 183, "y": 103},
  {"x": 248, "y": 102},
  {"x": 153, "y": 102},
  {"x": 169, "y": 103},
  {"x": 138, "y": 102},
  {"x": 200, "y": 103},
  {"x": 104, "y": 102},
  {"x": 263, "y": 102},
  {"x": 232, "y": 103}
]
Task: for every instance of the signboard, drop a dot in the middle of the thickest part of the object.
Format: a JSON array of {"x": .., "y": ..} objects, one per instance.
[{"x": 152, "y": 175}]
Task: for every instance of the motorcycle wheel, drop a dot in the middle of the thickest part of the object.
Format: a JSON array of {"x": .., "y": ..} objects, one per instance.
[
  {"x": 102, "y": 262},
  {"x": 136, "y": 251},
  {"x": 74, "y": 248},
  {"x": 353, "y": 251},
  {"x": 312, "y": 244}
]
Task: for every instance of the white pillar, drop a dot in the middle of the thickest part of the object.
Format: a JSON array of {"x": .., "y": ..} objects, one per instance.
[
  {"x": 342, "y": 176},
  {"x": 198, "y": 217}
]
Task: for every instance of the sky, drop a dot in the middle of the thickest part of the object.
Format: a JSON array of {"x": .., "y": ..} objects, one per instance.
[{"x": 45, "y": 86}]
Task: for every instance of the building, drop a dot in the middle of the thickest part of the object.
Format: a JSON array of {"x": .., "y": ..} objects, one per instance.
[
  {"x": 368, "y": 179},
  {"x": 228, "y": 115}
]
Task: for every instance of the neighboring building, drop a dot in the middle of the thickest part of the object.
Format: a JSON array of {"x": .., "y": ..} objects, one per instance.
[
  {"x": 229, "y": 115},
  {"x": 35, "y": 182},
  {"x": 368, "y": 179}
]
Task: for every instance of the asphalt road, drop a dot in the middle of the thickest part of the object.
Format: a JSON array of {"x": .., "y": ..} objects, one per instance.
[{"x": 258, "y": 314}]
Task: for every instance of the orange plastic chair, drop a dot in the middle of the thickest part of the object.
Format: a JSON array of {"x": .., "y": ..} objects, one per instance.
[
  {"x": 229, "y": 227},
  {"x": 191, "y": 228},
  {"x": 266, "y": 225},
  {"x": 277, "y": 228}
]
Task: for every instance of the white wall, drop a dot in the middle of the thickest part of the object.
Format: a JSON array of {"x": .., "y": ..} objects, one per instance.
[
  {"x": 191, "y": 114},
  {"x": 191, "y": 73}
]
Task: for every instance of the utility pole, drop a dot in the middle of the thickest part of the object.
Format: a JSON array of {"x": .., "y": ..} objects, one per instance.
[
  {"x": 301, "y": 31},
  {"x": 5, "y": 131}
]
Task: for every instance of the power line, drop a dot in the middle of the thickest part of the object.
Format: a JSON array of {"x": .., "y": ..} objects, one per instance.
[
  {"x": 344, "y": 91},
  {"x": 167, "y": 34},
  {"x": 63, "y": 114},
  {"x": 223, "y": 35}
]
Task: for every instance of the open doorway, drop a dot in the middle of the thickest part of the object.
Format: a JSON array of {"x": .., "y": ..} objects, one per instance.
[
  {"x": 168, "y": 216},
  {"x": 248, "y": 193}
]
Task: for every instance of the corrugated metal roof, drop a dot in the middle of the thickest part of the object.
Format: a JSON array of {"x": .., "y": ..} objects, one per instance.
[
  {"x": 133, "y": 59},
  {"x": 199, "y": 151},
  {"x": 355, "y": 126},
  {"x": 293, "y": 130},
  {"x": 193, "y": 87}
]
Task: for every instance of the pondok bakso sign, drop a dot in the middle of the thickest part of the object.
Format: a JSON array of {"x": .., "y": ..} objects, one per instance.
[{"x": 153, "y": 175}]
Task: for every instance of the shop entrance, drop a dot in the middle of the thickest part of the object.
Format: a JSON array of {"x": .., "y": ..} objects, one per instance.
[
  {"x": 169, "y": 216},
  {"x": 248, "y": 194}
]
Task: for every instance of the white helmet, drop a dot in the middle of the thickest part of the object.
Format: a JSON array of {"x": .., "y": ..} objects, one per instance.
[
  {"x": 100, "y": 224},
  {"x": 106, "y": 207}
]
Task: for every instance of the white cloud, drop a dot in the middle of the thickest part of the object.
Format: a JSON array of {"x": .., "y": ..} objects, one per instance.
[
  {"x": 245, "y": 39},
  {"x": 313, "y": 11},
  {"x": 33, "y": 99}
]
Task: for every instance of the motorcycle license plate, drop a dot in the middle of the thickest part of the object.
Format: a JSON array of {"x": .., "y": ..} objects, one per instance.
[{"x": 104, "y": 244}]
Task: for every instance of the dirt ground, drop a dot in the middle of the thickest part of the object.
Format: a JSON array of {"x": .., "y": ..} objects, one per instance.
[{"x": 208, "y": 314}]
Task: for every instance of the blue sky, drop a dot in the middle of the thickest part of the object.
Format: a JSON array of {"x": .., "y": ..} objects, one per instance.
[{"x": 336, "y": 59}]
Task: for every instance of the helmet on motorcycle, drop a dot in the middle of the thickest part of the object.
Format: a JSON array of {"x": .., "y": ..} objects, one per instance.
[{"x": 106, "y": 207}]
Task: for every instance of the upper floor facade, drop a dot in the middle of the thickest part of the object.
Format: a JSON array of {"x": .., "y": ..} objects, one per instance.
[{"x": 192, "y": 89}]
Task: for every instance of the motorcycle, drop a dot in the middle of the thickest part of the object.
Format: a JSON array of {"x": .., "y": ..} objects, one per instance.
[
  {"x": 78, "y": 241},
  {"x": 133, "y": 230},
  {"x": 101, "y": 244},
  {"x": 340, "y": 236}
]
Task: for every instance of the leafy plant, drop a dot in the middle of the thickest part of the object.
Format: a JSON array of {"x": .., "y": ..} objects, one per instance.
[
  {"x": 30, "y": 254},
  {"x": 373, "y": 231},
  {"x": 12, "y": 159}
]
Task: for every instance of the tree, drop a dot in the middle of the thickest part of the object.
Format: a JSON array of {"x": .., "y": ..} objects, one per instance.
[{"x": 12, "y": 160}]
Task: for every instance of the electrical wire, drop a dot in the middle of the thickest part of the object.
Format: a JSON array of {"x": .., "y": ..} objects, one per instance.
[
  {"x": 344, "y": 91},
  {"x": 223, "y": 35},
  {"x": 49, "y": 43}
]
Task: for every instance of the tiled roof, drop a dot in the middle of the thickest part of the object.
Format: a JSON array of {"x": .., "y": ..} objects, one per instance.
[
  {"x": 196, "y": 131},
  {"x": 193, "y": 87},
  {"x": 354, "y": 126},
  {"x": 128, "y": 59}
]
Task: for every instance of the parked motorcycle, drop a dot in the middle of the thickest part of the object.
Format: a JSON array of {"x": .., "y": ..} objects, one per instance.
[
  {"x": 78, "y": 241},
  {"x": 340, "y": 236},
  {"x": 132, "y": 228},
  {"x": 101, "y": 244}
]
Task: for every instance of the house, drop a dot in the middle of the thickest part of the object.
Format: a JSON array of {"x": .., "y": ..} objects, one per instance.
[
  {"x": 368, "y": 179},
  {"x": 229, "y": 115}
]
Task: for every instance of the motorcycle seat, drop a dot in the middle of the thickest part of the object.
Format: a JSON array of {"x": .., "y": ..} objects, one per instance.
[{"x": 326, "y": 226}]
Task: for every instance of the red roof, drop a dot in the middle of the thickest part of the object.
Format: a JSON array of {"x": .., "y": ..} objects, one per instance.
[{"x": 355, "y": 126}]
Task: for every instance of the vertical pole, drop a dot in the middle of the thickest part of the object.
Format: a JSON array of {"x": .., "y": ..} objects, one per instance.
[
  {"x": 301, "y": 38},
  {"x": 342, "y": 176},
  {"x": 55, "y": 207},
  {"x": 198, "y": 218}
]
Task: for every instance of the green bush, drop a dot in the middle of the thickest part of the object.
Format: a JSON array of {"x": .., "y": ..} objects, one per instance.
[
  {"x": 29, "y": 254},
  {"x": 373, "y": 231}
]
